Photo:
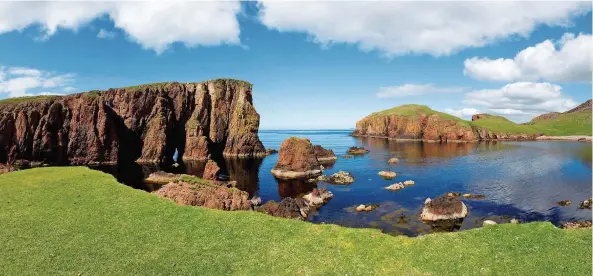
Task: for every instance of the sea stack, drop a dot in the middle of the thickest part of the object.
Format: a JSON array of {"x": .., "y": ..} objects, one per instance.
[
  {"x": 145, "y": 123},
  {"x": 324, "y": 155},
  {"x": 296, "y": 159}
]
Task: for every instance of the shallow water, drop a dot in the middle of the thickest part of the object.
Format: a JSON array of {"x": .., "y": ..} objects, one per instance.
[{"x": 522, "y": 180}]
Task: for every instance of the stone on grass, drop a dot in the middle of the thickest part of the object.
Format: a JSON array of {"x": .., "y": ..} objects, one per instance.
[
  {"x": 488, "y": 222},
  {"x": 205, "y": 195}
]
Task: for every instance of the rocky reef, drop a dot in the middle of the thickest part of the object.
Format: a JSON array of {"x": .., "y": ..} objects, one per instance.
[
  {"x": 417, "y": 122},
  {"x": 145, "y": 123}
]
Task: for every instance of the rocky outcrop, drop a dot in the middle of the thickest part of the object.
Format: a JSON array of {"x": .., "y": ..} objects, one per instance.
[
  {"x": 324, "y": 155},
  {"x": 293, "y": 208},
  {"x": 211, "y": 170},
  {"x": 422, "y": 123},
  {"x": 4, "y": 168},
  {"x": 443, "y": 208},
  {"x": 146, "y": 123},
  {"x": 296, "y": 159},
  {"x": 205, "y": 195}
]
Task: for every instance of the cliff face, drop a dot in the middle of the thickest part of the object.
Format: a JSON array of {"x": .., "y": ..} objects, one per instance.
[
  {"x": 424, "y": 127},
  {"x": 145, "y": 123}
]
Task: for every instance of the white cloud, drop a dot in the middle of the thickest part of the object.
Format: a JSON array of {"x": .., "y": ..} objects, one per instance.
[
  {"x": 462, "y": 112},
  {"x": 106, "y": 34},
  {"x": 415, "y": 90},
  {"x": 569, "y": 59},
  {"x": 154, "y": 25},
  {"x": 397, "y": 28},
  {"x": 521, "y": 98},
  {"x": 18, "y": 81}
]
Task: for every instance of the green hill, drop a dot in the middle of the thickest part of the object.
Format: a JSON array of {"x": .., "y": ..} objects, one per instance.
[
  {"x": 415, "y": 110},
  {"x": 576, "y": 123},
  {"x": 500, "y": 124}
]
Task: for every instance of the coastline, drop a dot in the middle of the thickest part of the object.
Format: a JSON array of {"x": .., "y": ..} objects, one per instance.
[{"x": 576, "y": 138}]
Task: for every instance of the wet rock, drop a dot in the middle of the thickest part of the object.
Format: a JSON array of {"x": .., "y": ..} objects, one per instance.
[
  {"x": 409, "y": 183},
  {"x": 471, "y": 196},
  {"x": 271, "y": 151},
  {"x": 488, "y": 222},
  {"x": 443, "y": 208},
  {"x": 318, "y": 197},
  {"x": 393, "y": 160},
  {"x": 347, "y": 156},
  {"x": 144, "y": 123},
  {"x": 293, "y": 208},
  {"x": 395, "y": 187},
  {"x": 564, "y": 202},
  {"x": 388, "y": 175},
  {"x": 205, "y": 195},
  {"x": 586, "y": 204},
  {"x": 324, "y": 155},
  {"x": 577, "y": 224},
  {"x": 341, "y": 177},
  {"x": 357, "y": 150},
  {"x": 161, "y": 177},
  {"x": 296, "y": 159},
  {"x": 366, "y": 208},
  {"x": 255, "y": 201},
  {"x": 211, "y": 170},
  {"x": 453, "y": 194},
  {"x": 5, "y": 168}
]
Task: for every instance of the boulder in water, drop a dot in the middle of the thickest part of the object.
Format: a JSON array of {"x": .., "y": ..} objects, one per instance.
[
  {"x": 388, "y": 175},
  {"x": 395, "y": 187},
  {"x": 324, "y": 155},
  {"x": 211, "y": 170},
  {"x": 296, "y": 159},
  {"x": 393, "y": 160},
  {"x": 564, "y": 202},
  {"x": 293, "y": 208},
  {"x": 318, "y": 197},
  {"x": 577, "y": 224},
  {"x": 357, "y": 150},
  {"x": 586, "y": 204},
  {"x": 443, "y": 208}
]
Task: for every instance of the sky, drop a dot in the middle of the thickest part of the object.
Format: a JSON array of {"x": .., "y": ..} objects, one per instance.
[{"x": 313, "y": 65}]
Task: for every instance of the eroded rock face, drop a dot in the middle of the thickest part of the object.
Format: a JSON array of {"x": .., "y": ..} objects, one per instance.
[
  {"x": 296, "y": 159},
  {"x": 145, "y": 123},
  {"x": 209, "y": 196}
]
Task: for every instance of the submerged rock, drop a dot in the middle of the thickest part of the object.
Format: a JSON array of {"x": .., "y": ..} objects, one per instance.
[
  {"x": 366, "y": 208},
  {"x": 211, "y": 170},
  {"x": 409, "y": 182},
  {"x": 293, "y": 208},
  {"x": 586, "y": 204},
  {"x": 205, "y": 195},
  {"x": 388, "y": 175},
  {"x": 395, "y": 187},
  {"x": 577, "y": 224},
  {"x": 564, "y": 202},
  {"x": 347, "y": 156},
  {"x": 443, "y": 208},
  {"x": 393, "y": 160},
  {"x": 357, "y": 150},
  {"x": 324, "y": 155},
  {"x": 296, "y": 159},
  {"x": 470, "y": 196},
  {"x": 318, "y": 197}
]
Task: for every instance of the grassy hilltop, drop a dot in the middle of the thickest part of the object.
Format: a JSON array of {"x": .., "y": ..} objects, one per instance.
[
  {"x": 574, "y": 122},
  {"x": 76, "y": 221}
]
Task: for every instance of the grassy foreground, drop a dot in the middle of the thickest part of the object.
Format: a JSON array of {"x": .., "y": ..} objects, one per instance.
[{"x": 71, "y": 220}]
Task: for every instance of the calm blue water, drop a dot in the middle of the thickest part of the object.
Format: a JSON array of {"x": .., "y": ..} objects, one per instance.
[{"x": 522, "y": 180}]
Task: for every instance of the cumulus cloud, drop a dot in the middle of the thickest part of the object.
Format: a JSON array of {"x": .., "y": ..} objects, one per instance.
[
  {"x": 566, "y": 60},
  {"x": 154, "y": 25},
  {"x": 521, "y": 98},
  {"x": 106, "y": 34},
  {"x": 19, "y": 81},
  {"x": 415, "y": 90},
  {"x": 397, "y": 28},
  {"x": 462, "y": 112}
]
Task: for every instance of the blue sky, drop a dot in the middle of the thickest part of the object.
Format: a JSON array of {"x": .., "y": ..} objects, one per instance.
[{"x": 313, "y": 65}]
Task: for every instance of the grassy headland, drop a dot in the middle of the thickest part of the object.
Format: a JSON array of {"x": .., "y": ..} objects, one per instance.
[{"x": 71, "y": 220}]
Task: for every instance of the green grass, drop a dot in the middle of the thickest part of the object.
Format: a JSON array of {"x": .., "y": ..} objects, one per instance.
[
  {"x": 415, "y": 110},
  {"x": 577, "y": 123},
  {"x": 502, "y": 124},
  {"x": 71, "y": 220},
  {"x": 18, "y": 100}
]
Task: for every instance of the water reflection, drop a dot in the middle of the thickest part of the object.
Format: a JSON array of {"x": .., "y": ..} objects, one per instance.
[{"x": 294, "y": 187}]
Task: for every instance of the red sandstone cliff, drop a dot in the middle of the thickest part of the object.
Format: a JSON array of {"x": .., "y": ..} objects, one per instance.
[{"x": 144, "y": 123}]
